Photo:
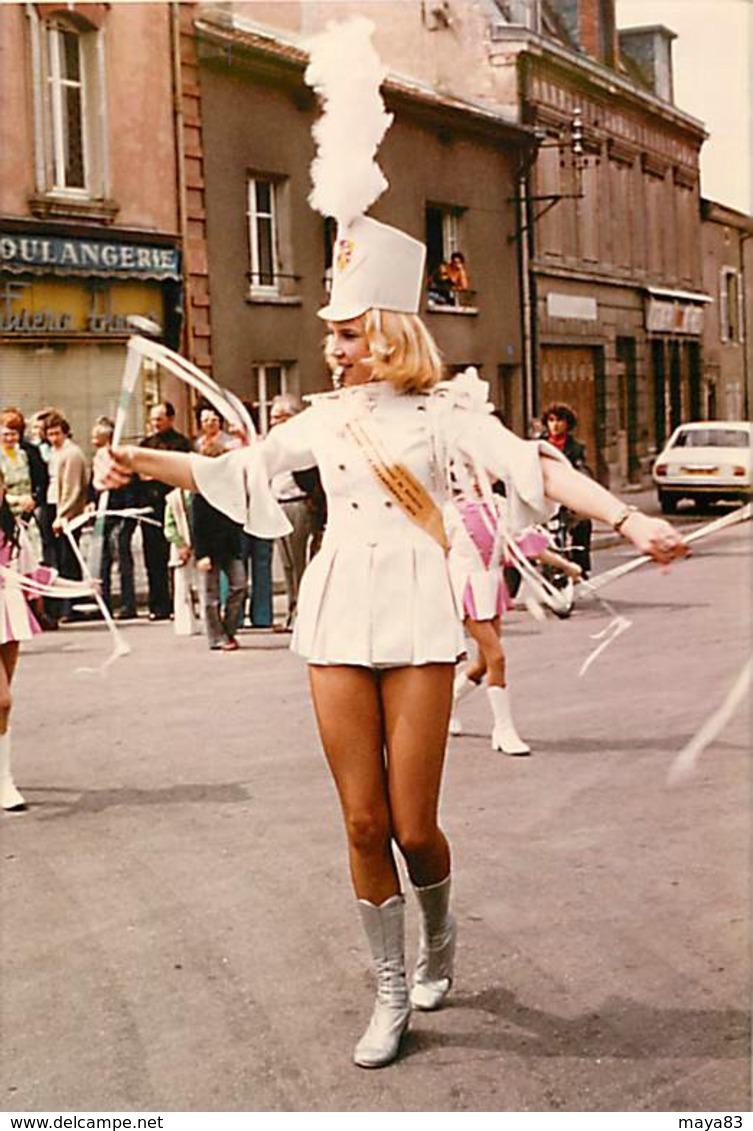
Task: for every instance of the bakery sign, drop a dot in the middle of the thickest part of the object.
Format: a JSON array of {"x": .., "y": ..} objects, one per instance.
[{"x": 58, "y": 255}]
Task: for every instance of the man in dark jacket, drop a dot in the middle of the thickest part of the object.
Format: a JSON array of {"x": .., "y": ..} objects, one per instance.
[{"x": 152, "y": 493}]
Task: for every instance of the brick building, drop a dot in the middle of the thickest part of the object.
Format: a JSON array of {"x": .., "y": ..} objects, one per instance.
[{"x": 90, "y": 226}]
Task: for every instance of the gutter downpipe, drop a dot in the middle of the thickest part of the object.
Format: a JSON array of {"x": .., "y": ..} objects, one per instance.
[
  {"x": 186, "y": 331},
  {"x": 526, "y": 247}
]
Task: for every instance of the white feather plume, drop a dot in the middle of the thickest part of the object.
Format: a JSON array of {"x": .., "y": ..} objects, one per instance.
[{"x": 346, "y": 72}]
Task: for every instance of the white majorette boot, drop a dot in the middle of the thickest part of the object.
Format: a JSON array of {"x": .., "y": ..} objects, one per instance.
[
  {"x": 385, "y": 930},
  {"x": 504, "y": 736},
  {"x": 432, "y": 977},
  {"x": 460, "y": 688},
  {"x": 10, "y": 798}
]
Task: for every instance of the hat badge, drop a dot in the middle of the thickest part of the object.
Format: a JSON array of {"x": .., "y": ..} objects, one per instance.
[{"x": 345, "y": 249}]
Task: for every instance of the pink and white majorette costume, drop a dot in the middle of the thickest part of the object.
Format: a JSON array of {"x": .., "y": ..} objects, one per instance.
[
  {"x": 478, "y": 554},
  {"x": 17, "y": 621},
  {"x": 476, "y": 529}
]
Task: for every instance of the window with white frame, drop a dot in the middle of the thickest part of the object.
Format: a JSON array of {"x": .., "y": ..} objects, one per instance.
[
  {"x": 730, "y": 305},
  {"x": 442, "y": 234},
  {"x": 269, "y": 380},
  {"x": 66, "y": 98},
  {"x": 269, "y": 239},
  {"x": 69, "y": 107},
  {"x": 446, "y": 265}
]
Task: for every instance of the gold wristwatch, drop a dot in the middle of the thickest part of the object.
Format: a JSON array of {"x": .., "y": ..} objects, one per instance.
[{"x": 622, "y": 516}]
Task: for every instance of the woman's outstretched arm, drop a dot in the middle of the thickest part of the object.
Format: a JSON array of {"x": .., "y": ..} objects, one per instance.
[
  {"x": 113, "y": 467},
  {"x": 652, "y": 536}
]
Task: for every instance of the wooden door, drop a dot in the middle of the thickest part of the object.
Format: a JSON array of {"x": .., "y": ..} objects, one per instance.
[{"x": 569, "y": 374}]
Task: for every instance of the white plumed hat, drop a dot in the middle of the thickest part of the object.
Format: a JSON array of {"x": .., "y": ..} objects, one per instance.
[{"x": 374, "y": 266}]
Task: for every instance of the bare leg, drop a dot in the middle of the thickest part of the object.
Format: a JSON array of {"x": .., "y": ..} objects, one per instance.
[
  {"x": 349, "y": 714},
  {"x": 10, "y": 798},
  {"x": 8, "y": 661},
  {"x": 476, "y": 670},
  {"x": 416, "y": 703},
  {"x": 486, "y": 634},
  {"x": 356, "y": 708}
]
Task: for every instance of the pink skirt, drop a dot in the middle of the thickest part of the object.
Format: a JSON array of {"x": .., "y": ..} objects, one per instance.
[{"x": 483, "y": 591}]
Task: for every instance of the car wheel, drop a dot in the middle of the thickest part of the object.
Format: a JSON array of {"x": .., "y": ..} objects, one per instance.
[{"x": 668, "y": 503}]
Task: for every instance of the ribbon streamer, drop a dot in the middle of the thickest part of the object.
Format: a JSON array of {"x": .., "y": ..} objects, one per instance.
[
  {"x": 139, "y": 514},
  {"x": 542, "y": 592},
  {"x": 743, "y": 514},
  {"x": 120, "y": 647},
  {"x": 228, "y": 405},
  {"x": 608, "y": 635},
  {"x": 684, "y": 763},
  {"x": 42, "y": 589},
  {"x": 620, "y": 623}
]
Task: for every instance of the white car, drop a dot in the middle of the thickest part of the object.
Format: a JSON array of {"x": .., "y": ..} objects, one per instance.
[{"x": 705, "y": 462}]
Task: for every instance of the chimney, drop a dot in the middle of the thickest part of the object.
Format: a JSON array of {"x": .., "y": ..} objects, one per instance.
[
  {"x": 650, "y": 49},
  {"x": 590, "y": 25}
]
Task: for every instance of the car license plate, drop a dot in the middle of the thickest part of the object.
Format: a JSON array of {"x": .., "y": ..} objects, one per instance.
[{"x": 700, "y": 470}]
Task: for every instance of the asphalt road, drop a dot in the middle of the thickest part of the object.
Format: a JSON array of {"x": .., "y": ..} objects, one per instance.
[{"x": 178, "y": 932}]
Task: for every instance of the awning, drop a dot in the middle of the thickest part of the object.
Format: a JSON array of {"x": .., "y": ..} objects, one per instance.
[{"x": 678, "y": 296}]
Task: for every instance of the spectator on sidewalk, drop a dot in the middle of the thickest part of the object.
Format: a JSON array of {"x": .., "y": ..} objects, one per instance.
[
  {"x": 211, "y": 433},
  {"x": 218, "y": 550},
  {"x": 179, "y": 533},
  {"x": 257, "y": 560},
  {"x": 152, "y": 494},
  {"x": 118, "y": 532},
  {"x": 67, "y": 493},
  {"x": 293, "y": 547}
]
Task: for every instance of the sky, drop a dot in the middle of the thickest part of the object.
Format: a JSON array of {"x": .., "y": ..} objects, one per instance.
[{"x": 713, "y": 62}]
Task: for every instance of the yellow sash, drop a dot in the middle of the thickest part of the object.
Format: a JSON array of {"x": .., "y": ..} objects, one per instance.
[{"x": 401, "y": 484}]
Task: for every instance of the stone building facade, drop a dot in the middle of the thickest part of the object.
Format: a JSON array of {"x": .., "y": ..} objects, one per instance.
[
  {"x": 611, "y": 230},
  {"x": 727, "y": 348}
]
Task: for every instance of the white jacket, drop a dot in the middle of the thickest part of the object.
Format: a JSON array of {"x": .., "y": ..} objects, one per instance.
[{"x": 378, "y": 593}]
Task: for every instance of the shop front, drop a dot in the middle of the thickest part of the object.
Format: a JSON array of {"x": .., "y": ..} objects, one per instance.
[
  {"x": 67, "y": 307},
  {"x": 674, "y": 325}
]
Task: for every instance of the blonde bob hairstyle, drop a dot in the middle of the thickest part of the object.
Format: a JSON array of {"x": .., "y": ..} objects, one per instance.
[{"x": 402, "y": 351}]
